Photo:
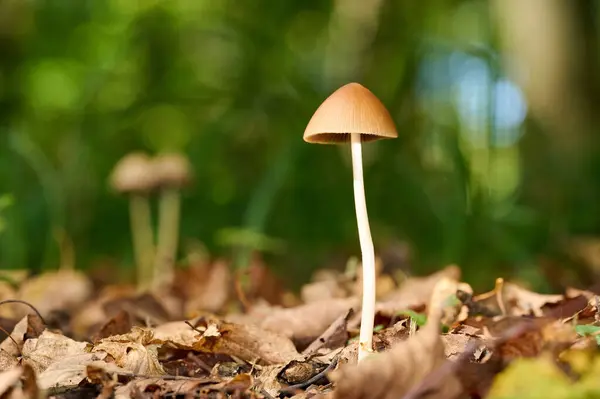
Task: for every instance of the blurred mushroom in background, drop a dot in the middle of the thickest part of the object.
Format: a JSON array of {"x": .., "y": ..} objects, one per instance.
[
  {"x": 133, "y": 175},
  {"x": 172, "y": 172}
]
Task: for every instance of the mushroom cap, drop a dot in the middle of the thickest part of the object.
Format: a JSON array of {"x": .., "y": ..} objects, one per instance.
[
  {"x": 172, "y": 170},
  {"x": 133, "y": 173},
  {"x": 350, "y": 109}
]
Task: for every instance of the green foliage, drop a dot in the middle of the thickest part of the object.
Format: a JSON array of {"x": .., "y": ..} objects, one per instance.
[
  {"x": 589, "y": 330},
  {"x": 419, "y": 318},
  {"x": 6, "y": 200}
]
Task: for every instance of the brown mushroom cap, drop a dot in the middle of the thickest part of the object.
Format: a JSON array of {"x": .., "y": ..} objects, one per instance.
[
  {"x": 133, "y": 173},
  {"x": 350, "y": 109},
  {"x": 172, "y": 170}
]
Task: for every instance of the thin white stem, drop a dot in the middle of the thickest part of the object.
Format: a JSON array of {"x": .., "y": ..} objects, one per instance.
[{"x": 368, "y": 252}]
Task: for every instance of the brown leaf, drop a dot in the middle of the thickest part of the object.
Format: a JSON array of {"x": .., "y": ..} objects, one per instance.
[
  {"x": 133, "y": 352},
  {"x": 13, "y": 344},
  {"x": 68, "y": 372},
  {"x": 334, "y": 337},
  {"x": 455, "y": 344},
  {"x": 510, "y": 299},
  {"x": 206, "y": 287},
  {"x": 248, "y": 342},
  {"x": 7, "y": 361},
  {"x": 9, "y": 378},
  {"x": 64, "y": 289},
  {"x": 415, "y": 291},
  {"x": 391, "y": 374},
  {"x": 118, "y": 324},
  {"x": 306, "y": 322},
  {"x": 49, "y": 348}
]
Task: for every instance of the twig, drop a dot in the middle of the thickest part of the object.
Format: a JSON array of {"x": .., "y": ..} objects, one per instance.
[
  {"x": 193, "y": 327},
  {"x": 24, "y": 303},
  {"x": 310, "y": 381}
]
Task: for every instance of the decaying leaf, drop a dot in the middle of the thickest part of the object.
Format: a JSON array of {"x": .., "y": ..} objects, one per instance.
[
  {"x": 49, "y": 348},
  {"x": 391, "y": 374},
  {"x": 133, "y": 352}
]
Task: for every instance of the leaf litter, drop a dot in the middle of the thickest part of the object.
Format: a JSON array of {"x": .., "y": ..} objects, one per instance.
[{"x": 434, "y": 338}]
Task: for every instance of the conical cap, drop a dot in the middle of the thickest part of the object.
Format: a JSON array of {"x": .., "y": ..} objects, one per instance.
[{"x": 350, "y": 109}]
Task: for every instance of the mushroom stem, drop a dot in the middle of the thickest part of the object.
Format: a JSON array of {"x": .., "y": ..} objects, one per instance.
[
  {"x": 168, "y": 237},
  {"x": 368, "y": 252},
  {"x": 143, "y": 245}
]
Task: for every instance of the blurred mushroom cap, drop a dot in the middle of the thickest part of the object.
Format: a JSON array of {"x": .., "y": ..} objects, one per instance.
[
  {"x": 172, "y": 170},
  {"x": 133, "y": 173},
  {"x": 350, "y": 109}
]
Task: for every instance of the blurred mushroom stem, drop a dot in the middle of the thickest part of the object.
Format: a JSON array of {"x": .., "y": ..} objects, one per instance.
[
  {"x": 368, "y": 252},
  {"x": 141, "y": 231},
  {"x": 168, "y": 237}
]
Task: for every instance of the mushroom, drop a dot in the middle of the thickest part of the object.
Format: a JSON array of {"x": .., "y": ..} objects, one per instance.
[
  {"x": 352, "y": 113},
  {"x": 133, "y": 175},
  {"x": 173, "y": 172}
]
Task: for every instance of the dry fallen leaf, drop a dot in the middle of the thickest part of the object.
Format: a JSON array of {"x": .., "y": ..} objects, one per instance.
[
  {"x": 306, "y": 322},
  {"x": 133, "y": 352},
  {"x": 511, "y": 300},
  {"x": 69, "y": 372},
  {"x": 414, "y": 292},
  {"x": 391, "y": 374},
  {"x": 248, "y": 342},
  {"x": 13, "y": 344},
  {"x": 206, "y": 287},
  {"x": 394, "y": 373},
  {"x": 49, "y": 348},
  {"x": 9, "y": 378},
  {"x": 64, "y": 289}
]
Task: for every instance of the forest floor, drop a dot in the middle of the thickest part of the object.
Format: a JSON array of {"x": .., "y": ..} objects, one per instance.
[{"x": 67, "y": 335}]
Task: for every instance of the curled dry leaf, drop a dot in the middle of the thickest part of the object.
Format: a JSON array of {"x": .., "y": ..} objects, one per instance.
[
  {"x": 64, "y": 289},
  {"x": 248, "y": 342},
  {"x": 415, "y": 292},
  {"x": 134, "y": 352},
  {"x": 49, "y": 348},
  {"x": 391, "y": 374},
  {"x": 306, "y": 322}
]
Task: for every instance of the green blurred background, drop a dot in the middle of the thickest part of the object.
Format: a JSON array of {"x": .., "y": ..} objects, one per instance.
[{"x": 495, "y": 167}]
